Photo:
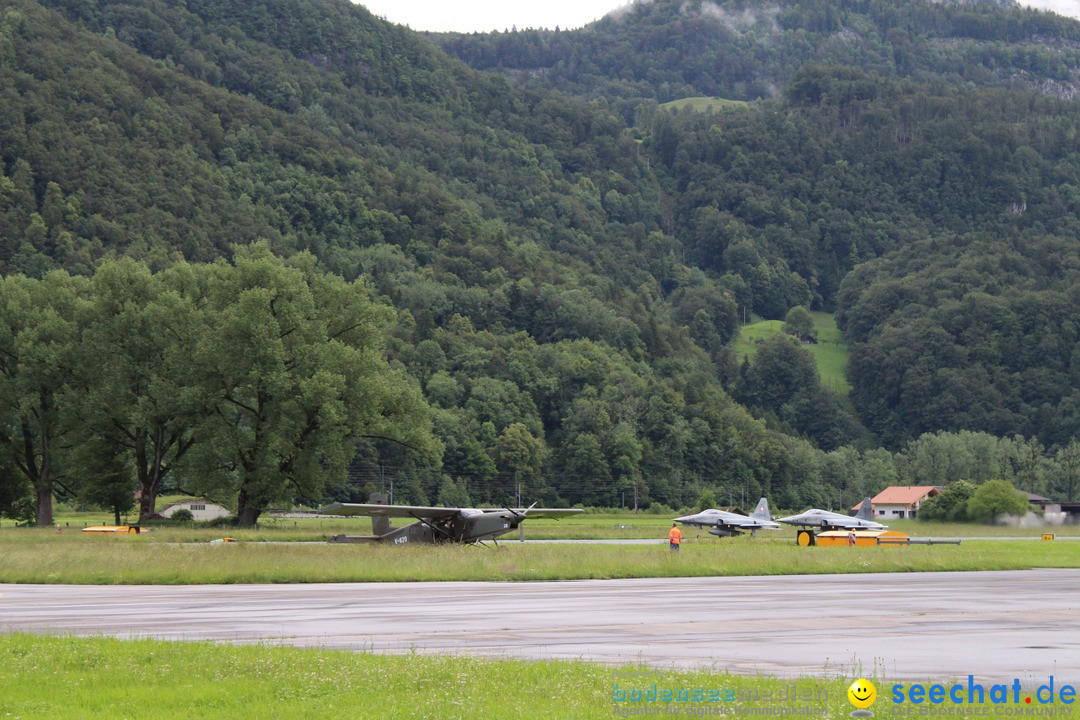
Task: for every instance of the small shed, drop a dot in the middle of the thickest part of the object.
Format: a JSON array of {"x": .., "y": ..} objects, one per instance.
[
  {"x": 1038, "y": 500},
  {"x": 201, "y": 510}
]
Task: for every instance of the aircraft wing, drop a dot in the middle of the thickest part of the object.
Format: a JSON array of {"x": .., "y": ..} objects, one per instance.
[
  {"x": 855, "y": 524},
  {"x": 744, "y": 523},
  {"x": 534, "y": 512},
  {"x": 720, "y": 518},
  {"x": 544, "y": 512},
  {"x": 712, "y": 522},
  {"x": 401, "y": 511},
  {"x": 851, "y": 523}
]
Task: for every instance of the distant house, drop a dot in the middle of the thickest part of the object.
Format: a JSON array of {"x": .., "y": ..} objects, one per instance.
[
  {"x": 1038, "y": 500},
  {"x": 201, "y": 510},
  {"x": 901, "y": 501}
]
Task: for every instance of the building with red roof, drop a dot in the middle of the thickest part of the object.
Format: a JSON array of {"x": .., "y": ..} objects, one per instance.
[{"x": 901, "y": 501}]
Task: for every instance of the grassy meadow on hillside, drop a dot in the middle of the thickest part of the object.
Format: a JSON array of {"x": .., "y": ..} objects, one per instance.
[
  {"x": 830, "y": 353},
  {"x": 704, "y": 104}
]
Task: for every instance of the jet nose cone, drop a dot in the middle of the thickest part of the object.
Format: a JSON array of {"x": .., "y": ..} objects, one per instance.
[{"x": 684, "y": 518}]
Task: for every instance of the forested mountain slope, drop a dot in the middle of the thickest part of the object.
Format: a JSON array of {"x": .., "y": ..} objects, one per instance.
[
  {"x": 567, "y": 285},
  {"x": 962, "y": 207},
  {"x": 517, "y": 232},
  {"x": 669, "y": 49},
  {"x": 923, "y": 134}
]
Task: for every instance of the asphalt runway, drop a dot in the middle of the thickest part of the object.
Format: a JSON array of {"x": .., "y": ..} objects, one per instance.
[{"x": 994, "y": 625}]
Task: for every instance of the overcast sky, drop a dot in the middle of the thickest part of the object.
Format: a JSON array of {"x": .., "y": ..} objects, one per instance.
[
  {"x": 487, "y": 15},
  {"x": 1061, "y": 7}
]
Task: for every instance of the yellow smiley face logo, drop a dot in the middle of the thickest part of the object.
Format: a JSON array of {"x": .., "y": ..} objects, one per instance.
[{"x": 862, "y": 693}]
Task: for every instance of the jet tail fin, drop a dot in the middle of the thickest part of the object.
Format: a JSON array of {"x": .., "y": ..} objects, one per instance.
[
  {"x": 866, "y": 510},
  {"x": 762, "y": 511},
  {"x": 380, "y": 524}
]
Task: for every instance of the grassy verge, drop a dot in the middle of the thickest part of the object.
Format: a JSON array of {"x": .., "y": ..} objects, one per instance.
[
  {"x": 588, "y": 526},
  {"x": 132, "y": 560},
  {"x": 628, "y": 525},
  {"x": 75, "y": 678}
]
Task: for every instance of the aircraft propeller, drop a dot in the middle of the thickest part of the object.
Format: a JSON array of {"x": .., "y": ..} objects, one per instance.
[{"x": 521, "y": 515}]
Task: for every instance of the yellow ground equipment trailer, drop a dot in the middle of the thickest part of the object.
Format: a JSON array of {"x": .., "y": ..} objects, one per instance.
[
  {"x": 115, "y": 529},
  {"x": 865, "y": 538}
]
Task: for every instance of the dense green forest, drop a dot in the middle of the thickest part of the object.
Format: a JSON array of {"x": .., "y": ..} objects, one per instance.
[
  {"x": 940, "y": 223},
  {"x": 254, "y": 379},
  {"x": 930, "y": 145},
  {"x": 559, "y": 267},
  {"x": 664, "y": 50},
  {"x": 528, "y": 309}
]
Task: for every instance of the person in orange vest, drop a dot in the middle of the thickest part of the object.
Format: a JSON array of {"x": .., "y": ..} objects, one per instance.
[{"x": 674, "y": 537}]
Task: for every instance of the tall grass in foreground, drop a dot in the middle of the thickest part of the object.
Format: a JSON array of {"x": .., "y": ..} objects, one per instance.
[
  {"x": 76, "y": 678},
  {"x": 129, "y": 560}
]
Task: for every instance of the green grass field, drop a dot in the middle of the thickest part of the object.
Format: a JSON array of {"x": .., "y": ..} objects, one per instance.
[
  {"x": 642, "y": 525},
  {"x": 830, "y": 353},
  {"x": 44, "y": 557},
  {"x": 587, "y": 526},
  {"x": 701, "y": 104},
  {"x": 46, "y": 676},
  {"x": 76, "y": 678}
]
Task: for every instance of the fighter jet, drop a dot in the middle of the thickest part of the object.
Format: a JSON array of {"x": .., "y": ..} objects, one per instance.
[
  {"x": 836, "y": 521},
  {"x": 726, "y": 524},
  {"x": 437, "y": 524}
]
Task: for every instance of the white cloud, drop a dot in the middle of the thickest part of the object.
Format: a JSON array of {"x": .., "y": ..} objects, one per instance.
[
  {"x": 1069, "y": 8},
  {"x": 624, "y": 10},
  {"x": 742, "y": 21},
  {"x": 488, "y": 15}
]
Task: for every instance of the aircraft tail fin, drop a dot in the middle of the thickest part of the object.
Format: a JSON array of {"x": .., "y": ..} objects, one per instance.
[
  {"x": 762, "y": 510},
  {"x": 866, "y": 510},
  {"x": 380, "y": 524}
]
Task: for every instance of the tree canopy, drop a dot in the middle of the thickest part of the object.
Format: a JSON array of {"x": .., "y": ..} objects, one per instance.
[
  {"x": 292, "y": 227},
  {"x": 995, "y": 498},
  {"x": 254, "y": 380}
]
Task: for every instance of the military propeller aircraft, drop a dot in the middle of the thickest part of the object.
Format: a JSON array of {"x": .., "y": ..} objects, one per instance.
[
  {"x": 437, "y": 524},
  {"x": 725, "y": 524},
  {"x": 826, "y": 520}
]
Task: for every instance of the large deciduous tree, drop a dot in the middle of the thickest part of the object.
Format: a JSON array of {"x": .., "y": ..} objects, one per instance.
[
  {"x": 105, "y": 478},
  {"x": 1068, "y": 459},
  {"x": 950, "y": 504},
  {"x": 295, "y": 360},
  {"x": 521, "y": 457},
  {"x": 38, "y": 350},
  {"x": 142, "y": 393},
  {"x": 994, "y": 498},
  {"x": 800, "y": 323}
]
